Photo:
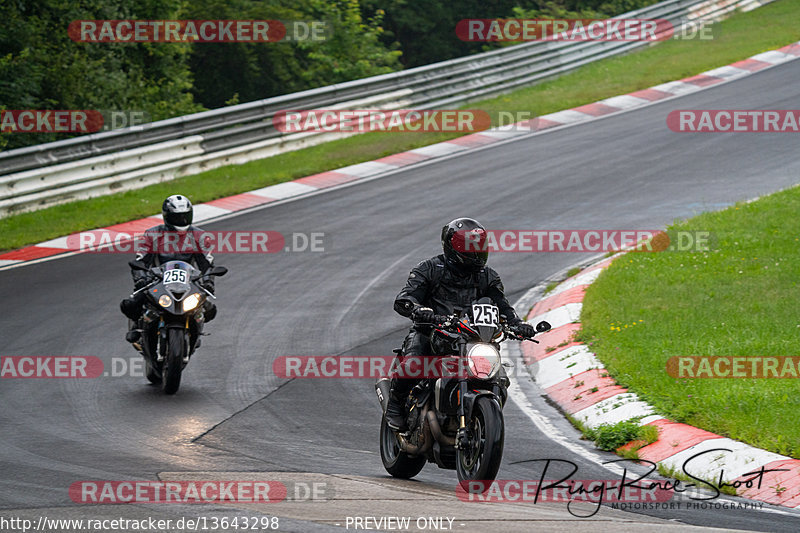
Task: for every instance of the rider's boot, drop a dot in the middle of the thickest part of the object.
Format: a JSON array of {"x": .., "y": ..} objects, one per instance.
[
  {"x": 133, "y": 336},
  {"x": 395, "y": 414},
  {"x": 395, "y": 407}
]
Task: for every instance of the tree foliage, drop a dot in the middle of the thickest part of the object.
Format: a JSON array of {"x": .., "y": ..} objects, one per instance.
[
  {"x": 351, "y": 50},
  {"x": 41, "y": 68},
  {"x": 426, "y": 32}
]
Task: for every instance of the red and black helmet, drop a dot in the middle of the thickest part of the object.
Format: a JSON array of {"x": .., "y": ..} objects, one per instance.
[{"x": 464, "y": 244}]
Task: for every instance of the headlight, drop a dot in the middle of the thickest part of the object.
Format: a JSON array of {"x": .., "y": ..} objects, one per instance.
[
  {"x": 484, "y": 361},
  {"x": 191, "y": 302},
  {"x": 165, "y": 301}
]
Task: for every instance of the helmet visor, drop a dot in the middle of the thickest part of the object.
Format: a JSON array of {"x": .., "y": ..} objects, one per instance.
[
  {"x": 178, "y": 220},
  {"x": 471, "y": 246}
]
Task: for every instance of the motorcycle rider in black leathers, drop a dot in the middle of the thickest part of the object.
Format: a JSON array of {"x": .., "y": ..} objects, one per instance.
[
  {"x": 154, "y": 250},
  {"x": 440, "y": 286}
]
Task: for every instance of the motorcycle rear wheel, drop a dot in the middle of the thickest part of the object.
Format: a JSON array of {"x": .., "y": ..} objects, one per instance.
[{"x": 398, "y": 463}]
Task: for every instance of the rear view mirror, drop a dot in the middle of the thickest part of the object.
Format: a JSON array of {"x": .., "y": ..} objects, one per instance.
[
  {"x": 137, "y": 265},
  {"x": 542, "y": 326},
  {"x": 218, "y": 271}
]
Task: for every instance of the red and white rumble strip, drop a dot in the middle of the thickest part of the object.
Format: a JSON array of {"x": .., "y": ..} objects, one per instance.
[
  {"x": 570, "y": 374},
  {"x": 370, "y": 169}
]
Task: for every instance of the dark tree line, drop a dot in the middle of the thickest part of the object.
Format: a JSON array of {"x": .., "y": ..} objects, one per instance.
[{"x": 42, "y": 68}]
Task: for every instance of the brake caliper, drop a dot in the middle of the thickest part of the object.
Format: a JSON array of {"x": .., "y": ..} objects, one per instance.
[{"x": 462, "y": 439}]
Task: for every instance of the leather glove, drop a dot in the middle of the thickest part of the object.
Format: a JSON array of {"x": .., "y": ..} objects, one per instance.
[
  {"x": 208, "y": 284},
  {"x": 424, "y": 315},
  {"x": 140, "y": 283},
  {"x": 524, "y": 329}
]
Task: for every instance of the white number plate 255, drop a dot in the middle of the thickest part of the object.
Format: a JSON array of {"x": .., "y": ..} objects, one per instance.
[{"x": 175, "y": 275}]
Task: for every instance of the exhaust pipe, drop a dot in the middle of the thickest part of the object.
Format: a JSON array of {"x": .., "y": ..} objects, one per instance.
[
  {"x": 383, "y": 388},
  {"x": 436, "y": 430},
  {"x": 431, "y": 431},
  {"x": 413, "y": 449}
]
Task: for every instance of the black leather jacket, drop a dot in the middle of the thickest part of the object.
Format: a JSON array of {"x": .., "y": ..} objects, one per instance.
[
  {"x": 433, "y": 283},
  {"x": 153, "y": 251}
]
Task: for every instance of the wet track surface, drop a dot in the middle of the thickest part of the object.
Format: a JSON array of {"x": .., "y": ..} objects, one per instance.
[{"x": 233, "y": 414}]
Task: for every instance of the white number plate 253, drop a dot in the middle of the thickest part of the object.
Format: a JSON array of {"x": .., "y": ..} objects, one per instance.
[{"x": 485, "y": 315}]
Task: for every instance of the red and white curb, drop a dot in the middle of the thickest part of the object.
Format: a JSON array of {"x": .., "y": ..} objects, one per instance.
[
  {"x": 373, "y": 169},
  {"x": 570, "y": 374}
]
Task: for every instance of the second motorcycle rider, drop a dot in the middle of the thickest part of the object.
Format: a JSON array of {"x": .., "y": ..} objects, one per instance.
[{"x": 439, "y": 286}]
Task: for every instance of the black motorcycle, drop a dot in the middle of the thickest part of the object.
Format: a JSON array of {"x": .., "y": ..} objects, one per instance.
[
  {"x": 173, "y": 320},
  {"x": 456, "y": 421}
]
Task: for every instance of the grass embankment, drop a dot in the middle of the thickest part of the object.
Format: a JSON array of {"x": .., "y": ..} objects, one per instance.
[
  {"x": 742, "y": 35},
  {"x": 741, "y": 298}
]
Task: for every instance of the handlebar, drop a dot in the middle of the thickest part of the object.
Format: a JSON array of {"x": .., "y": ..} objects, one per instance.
[
  {"x": 155, "y": 273},
  {"x": 510, "y": 331},
  {"x": 447, "y": 321}
]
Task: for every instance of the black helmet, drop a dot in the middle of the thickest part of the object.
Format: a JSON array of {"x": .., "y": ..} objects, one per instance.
[
  {"x": 177, "y": 211},
  {"x": 464, "y": 244}
]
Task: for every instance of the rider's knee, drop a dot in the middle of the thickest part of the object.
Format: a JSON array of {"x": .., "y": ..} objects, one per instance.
[
  {"x": 131, "y": 308},
  {"x": 210, "y": 311}
]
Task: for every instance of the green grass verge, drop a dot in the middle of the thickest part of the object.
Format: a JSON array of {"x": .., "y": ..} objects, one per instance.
[
  {"x": 740, "y": 298},
  {"x": 742, "y": 35},
  {"x": 610, "y": 437}
]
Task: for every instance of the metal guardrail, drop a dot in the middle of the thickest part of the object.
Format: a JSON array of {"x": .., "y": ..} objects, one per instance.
[{"x": 92, "y": 165}]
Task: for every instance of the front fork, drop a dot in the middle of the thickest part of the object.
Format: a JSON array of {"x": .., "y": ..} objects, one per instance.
[
  {"x": 462, "y": 437},
  {"x": 162, "y": 337},
  {"x": 162, "y": 340}
]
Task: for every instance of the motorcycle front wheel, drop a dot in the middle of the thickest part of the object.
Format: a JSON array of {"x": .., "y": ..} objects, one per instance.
[
  {"x": 398, "y": 463},
  {"x": 481, "y": 461},
  {"x": 173, "y": 362}
]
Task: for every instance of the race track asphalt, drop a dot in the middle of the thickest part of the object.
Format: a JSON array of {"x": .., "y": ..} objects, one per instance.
[{"x": 233, "y": 414}]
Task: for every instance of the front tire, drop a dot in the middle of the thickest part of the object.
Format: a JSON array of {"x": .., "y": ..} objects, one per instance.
[
  {"x": 173, "y": 362},
  {"x": 487, "y": 431},
  {"x": 398, "y": 463}
]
